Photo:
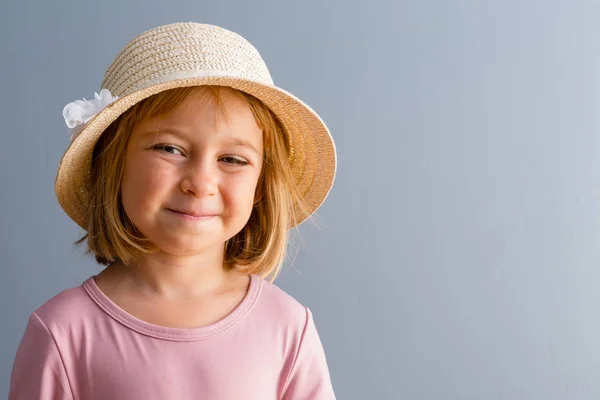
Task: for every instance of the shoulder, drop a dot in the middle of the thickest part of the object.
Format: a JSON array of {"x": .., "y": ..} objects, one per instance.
[
  {"x": 64, "y": 308},
  {"x": 279, "y": 306}
]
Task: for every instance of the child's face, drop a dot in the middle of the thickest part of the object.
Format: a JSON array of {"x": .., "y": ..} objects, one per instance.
[{"x": 185, "y": 163}]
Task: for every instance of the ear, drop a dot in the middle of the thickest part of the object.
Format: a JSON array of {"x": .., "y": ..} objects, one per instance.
[
  {"x": 258, "y": 194},
  {"x": 257, "y": 198}
]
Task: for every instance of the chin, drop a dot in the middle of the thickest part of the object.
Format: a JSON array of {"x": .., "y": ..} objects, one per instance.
[{"x": 179, "y": 247}]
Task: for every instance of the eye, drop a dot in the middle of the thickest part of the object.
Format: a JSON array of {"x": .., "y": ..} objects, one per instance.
[
  {"x": 165, "y": 148},
  {"x": 234, "y": 161}
]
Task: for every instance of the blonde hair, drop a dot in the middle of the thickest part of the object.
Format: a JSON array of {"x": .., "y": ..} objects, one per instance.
[{"x": 259, "y": 248}]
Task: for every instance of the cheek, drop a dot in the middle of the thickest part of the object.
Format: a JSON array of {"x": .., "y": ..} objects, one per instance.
[
  {"x": 144, "y": 182},
  {"x": 240, "y": 190}
]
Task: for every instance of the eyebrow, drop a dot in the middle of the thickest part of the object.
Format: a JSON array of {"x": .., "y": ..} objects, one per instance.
[
  {"x": 233, "y": 142},
  {"x": 237, "y": 142}
]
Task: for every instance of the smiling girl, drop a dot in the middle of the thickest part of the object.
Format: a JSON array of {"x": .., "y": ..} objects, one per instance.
[{"x": 186, "y": 172}]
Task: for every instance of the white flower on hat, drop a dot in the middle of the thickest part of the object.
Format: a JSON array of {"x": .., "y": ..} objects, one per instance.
[{"x": 79, "y": 112}]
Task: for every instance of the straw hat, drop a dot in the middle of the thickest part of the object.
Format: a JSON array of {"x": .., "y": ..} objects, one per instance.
[{"x": 191, "y": 54}]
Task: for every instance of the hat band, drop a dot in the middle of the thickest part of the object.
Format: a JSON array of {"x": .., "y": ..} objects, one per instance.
[{"x": 177, "y": 75}]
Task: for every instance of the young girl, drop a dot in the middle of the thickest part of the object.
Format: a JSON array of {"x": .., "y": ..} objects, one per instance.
[{"x": 186, "y": 171}]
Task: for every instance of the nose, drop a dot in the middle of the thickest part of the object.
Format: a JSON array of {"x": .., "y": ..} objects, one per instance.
[{"x": 200, "y": 179}]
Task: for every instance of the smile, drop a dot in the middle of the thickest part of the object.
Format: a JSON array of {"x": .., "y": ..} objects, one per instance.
[{"x": 192, "y": 217}]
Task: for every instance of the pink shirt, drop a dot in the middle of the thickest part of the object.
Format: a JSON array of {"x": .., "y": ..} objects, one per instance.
[{"x": 82, "y": 346}]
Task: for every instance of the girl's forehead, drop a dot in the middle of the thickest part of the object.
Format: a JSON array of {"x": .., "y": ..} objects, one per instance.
[
  {"x": 229, "y": 116},
  {"x": 210, "y": 109}
]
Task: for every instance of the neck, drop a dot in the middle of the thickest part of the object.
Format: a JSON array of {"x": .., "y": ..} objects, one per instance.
[{"x": 174, "y": 277}]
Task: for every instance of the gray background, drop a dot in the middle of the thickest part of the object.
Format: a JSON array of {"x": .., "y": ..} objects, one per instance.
[{"x": 460, "y": 252}]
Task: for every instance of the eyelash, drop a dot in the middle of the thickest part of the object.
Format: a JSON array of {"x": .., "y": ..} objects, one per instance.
[
  {"x": 162, "y": 147},
  {"x": 235, "y": 161},
  {"x": 232, "y": 160}
]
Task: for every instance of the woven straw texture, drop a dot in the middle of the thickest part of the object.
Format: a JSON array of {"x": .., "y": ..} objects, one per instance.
[{"x": 192, "y": 54}]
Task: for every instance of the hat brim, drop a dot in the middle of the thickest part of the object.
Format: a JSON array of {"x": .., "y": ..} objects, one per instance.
[{"x": 313, "y": 158}]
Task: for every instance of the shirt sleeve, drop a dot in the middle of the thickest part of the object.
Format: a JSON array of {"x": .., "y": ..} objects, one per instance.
[
  {"x": 309, "y": 377},
  {"x": 38, "y": 371}
]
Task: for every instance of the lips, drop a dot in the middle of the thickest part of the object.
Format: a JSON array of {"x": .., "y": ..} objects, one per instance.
[{"x": 194, "y": 214}]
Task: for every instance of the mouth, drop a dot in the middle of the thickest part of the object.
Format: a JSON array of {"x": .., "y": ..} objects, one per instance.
[{"x": 192, "y": 215}]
